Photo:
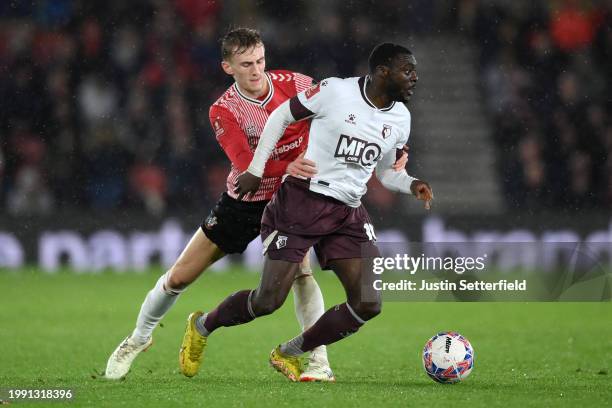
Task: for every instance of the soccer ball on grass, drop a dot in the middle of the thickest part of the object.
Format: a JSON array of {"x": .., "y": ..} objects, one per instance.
[{"x": 448, "y": 357}]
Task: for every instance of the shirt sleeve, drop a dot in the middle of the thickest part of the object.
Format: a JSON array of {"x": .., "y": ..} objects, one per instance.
[
  {"x": 311, "y": 102},
  {"x": 398, "y": 181},
  {"x": 235, "y": 144},
  {"x": 302, "y": 82},
  {"x": 276, "y": 125},
  {"x": 402, "y": 140}
]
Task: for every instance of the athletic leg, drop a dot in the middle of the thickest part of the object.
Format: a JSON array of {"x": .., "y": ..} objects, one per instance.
[
  {"x": 309, "y": 307},
  {"x": 238, "y": 308},
  {"x": 197, "y": 256},
  {"x": 245, "y": 305},
  {"x": 345, "y": 319}
]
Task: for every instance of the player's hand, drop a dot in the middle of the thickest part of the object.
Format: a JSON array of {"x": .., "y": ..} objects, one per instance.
[
  {"x": 401, "y": 159},
  {"x": 246, "y": 184},
  {"x": 302, "y": 167},
  {"x": 422, "y": 191}
]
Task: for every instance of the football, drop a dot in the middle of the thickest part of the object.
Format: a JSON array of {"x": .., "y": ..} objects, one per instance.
[{"x": 448, "y": 357}]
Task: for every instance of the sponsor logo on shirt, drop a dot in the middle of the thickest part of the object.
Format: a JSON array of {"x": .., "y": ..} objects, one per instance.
[
  {"x": 293, "y": 145},
  {"x": 351, "y": 119},
  {"x": 355, "y": 150}
]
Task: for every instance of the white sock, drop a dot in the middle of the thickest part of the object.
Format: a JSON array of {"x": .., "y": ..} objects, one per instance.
[
  {"x": 155, "y": 306},
  {"x": 309, "y": 308}
]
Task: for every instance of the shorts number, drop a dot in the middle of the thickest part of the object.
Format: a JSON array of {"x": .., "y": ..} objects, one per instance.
[{"x": 369, "y": 229}]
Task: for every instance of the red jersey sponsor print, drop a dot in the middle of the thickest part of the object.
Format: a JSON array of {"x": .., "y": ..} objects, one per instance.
[
  {"x": 238, "y": 121},
  {"x": 313, "y": 90}
]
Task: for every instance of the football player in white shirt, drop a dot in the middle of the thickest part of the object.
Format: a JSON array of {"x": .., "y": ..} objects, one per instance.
[{"x": 358, "y": 126}]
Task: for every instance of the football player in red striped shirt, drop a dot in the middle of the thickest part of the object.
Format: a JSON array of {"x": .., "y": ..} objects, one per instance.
[{"x": 238, "y": 118}]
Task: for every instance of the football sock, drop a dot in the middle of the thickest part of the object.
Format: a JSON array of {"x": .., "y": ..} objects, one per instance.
[
  {"x": 156, "y": 304},
  {"x": 234, "y": 310},
  {"x": 337, "y": 323},
  {"x": 309, "y": 308},
  {"x": 199, "y": 325}
]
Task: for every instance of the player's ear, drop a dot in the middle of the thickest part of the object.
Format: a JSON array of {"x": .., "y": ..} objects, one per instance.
[
  {"x": 382, "y": 70},
  {"x": 227, "y": 68}
]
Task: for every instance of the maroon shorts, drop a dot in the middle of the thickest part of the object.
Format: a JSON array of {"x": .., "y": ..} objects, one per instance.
[{"x": 297, "y": 219}]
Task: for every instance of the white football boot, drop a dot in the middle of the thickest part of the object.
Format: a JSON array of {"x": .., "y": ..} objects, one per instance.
[
  {"x": 317, "y": 371},
  {"x": 120, "y": 361}
]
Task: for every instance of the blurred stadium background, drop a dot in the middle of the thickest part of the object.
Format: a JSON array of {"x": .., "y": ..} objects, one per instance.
[
  {"x": 108, "y": 161},
  {"x": 104, "y": 116},
  {"x": 104, "y": 111}
]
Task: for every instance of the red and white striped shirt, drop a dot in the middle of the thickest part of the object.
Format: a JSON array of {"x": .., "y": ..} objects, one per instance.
[{"x": 238, "y": 121}]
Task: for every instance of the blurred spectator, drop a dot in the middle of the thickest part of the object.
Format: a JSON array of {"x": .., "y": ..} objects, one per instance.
[
  {"x": 547, "y": 72},
  {"x": 29, "y": 195},
  {"x": 572, "y": 26},
  {"x": 105, "y": 105},
  {"x": 97, "y": 100}
]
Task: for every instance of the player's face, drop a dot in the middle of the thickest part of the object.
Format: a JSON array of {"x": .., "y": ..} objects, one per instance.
[
  {"x": 402, "y": 78},
  {"x": 248, "y": 68}
]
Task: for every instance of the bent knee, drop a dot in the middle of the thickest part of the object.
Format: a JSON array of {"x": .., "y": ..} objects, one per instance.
[
  {"x": 264, "y": 308},
  {"x": 368, "y": 310},
  {"x": 177, "y": 280},
  {"x": 263, "y": 305}
]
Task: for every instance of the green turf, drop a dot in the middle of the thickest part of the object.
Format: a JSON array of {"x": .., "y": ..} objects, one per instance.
[{"x": 58, "y": 330}]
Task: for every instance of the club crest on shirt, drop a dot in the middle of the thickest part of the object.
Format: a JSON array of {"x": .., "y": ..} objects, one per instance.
[
  {"x": 281, "y": 241},
  {"x": 312, "y": 91},
  {"x": 251, "y": 130},
  {"x": 210, "y": 222},
  {"x": 386, "y": 131}
]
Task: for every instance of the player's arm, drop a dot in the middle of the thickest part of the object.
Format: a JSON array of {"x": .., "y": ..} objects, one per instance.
[
  {"x": 401, "y": 158},
  {"x": 400, "y": 181},
  {"x": 234, "y": 143},
  {"x": 248, "y": 182}
]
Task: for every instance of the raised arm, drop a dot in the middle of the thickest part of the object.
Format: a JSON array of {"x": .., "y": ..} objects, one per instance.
[
  {"x": 248, "y": 182},
  {"x": 234, "y": 143},
  {"x": 271, "y": 134}
]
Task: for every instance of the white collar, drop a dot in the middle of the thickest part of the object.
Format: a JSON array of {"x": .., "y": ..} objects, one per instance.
[{"x": 257, "y": 101}]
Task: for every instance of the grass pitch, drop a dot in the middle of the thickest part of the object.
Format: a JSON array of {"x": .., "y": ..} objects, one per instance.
[{"x": 56, "y": 331}]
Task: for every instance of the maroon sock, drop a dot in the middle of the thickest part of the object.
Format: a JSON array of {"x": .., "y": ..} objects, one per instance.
[
  {"x": 337, "y": 323},
  {"x": 234, "y": 310}
]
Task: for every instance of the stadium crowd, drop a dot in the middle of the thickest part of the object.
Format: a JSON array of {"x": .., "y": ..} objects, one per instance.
[
  {"x": 546, "y": 69},
  {"x": 105, "y": 105}
]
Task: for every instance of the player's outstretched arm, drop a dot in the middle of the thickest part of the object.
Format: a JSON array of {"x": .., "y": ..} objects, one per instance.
[
  {"x": 246, "y": 183},
  {"x": 249, "y": 181}
]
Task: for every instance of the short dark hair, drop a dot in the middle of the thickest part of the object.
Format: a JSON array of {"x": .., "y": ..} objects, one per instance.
[
  {"x": 238, "y": 40},
  {"x": 384, "y": 53}
]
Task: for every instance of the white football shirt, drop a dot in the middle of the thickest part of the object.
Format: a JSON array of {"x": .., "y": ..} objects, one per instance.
[{"x": 349, "y": 135}]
